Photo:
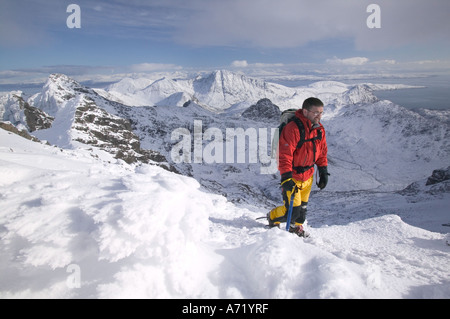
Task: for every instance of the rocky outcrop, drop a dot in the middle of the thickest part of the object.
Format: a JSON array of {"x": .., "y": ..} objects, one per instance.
[
  {"x": 20, "y": 113},
  {"x": 11, "y": 128},
  {"x": 437, "y": 183},
  {"x": 36, "y": 119},
  {"x": 264, "y": 110},
  {"x": 439, "y": 176},
  {"x": 94, "y": 126}
]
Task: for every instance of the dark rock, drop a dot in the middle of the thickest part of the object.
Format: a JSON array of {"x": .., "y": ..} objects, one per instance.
[
  {"x": 438, "y": 176},
  {"x": 263, "y": 110}
]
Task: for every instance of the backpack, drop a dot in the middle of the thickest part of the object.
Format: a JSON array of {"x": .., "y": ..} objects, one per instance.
[{"x": 286, "y": 117}]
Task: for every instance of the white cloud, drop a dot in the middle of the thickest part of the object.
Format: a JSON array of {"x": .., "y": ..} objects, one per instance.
[
  {"x": 239, "y": 64},
  {"x": 257, "y": 65},
  {"x": 385, "y": 62},
  {"x": 349, "y": 61}
]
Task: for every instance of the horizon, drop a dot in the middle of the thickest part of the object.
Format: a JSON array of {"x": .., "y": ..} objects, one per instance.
[{"x": 420, "y": 91}]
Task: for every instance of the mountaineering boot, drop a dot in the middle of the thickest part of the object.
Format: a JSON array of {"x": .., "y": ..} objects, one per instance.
[
  {"x": 298, "y": 230},
  {"x": 271, "y": 222}
]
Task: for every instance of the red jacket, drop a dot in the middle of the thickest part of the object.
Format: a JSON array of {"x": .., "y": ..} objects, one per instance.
[{"x": 290, "y": 156}]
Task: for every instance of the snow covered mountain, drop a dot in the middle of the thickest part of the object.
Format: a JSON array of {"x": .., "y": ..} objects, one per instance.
[
  {"x": 216, "y": 91},
  {"x": 75, "y": 116},
  {"x": 136, "y": 229}
]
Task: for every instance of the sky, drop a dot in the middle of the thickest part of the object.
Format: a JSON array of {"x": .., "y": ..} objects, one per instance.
[{"x": 105, "y": 40}]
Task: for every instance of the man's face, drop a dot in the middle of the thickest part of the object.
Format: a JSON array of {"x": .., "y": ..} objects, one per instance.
[{"x": 314, "y": 115}]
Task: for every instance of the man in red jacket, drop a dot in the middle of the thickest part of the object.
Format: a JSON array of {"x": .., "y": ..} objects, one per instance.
[{"x": 297, "y": 156}]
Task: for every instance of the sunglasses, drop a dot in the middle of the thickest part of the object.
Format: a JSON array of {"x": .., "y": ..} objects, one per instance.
[{"x": 316, "y": 113}]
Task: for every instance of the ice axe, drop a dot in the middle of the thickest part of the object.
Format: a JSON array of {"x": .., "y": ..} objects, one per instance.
[{"x": 291, "y": 206}]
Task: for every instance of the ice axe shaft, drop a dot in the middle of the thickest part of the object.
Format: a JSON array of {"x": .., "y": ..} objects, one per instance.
[{"x": 291, "y": 206}]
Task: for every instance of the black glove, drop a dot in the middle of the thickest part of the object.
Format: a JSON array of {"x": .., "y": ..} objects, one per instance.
[
  {"x": 287, "y": 183},
  {"x": 323, "y": 177}
]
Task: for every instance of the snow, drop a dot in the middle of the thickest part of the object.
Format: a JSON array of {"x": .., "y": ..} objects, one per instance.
[
  {"x": 217, "y": 91},
  {"x": 142, "y": 232},
  {"x": 75, "y": 222}
]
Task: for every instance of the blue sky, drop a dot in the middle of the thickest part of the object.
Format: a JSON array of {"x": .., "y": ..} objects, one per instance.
[{"x": 120, "y": 37}]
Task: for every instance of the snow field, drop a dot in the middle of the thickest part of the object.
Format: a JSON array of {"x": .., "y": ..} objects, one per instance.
[{"x": 142, "y": 232}]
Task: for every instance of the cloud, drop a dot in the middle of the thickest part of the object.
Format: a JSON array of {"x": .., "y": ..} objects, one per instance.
[
  {"x": 294, "y": 23},
  {"x": 239, "y": 64},
  {"x": 349, "y": 61},
  {"x": 153, "y": 67},
  {"x": 234, "y": 23},
  {"x": 258, "y": 65},
  {"x": 385, "y": 62},
  {"x": 264, "y": 23}
]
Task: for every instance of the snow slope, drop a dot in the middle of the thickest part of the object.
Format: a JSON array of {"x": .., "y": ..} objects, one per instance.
[{"x": 75, "y": 226}]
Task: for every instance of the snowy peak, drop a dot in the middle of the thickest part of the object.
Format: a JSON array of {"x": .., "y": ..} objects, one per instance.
[
  {"x": 360, "y": 93},
  {"x": 226, "y": 83},
  {"x": 165, "y": 91},
  {"x": 81, "y": 119},
  {"x": 147, "y": 92},
  {"x": 57, "y": 92},
  {"x": 130, "y": 85},
  {"x": 215, "y": 91},
  {"x": 62, "y": 81},
  {"x": 222, "y": 89}
]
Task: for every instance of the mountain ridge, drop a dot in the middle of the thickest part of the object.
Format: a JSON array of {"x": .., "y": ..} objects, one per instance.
[
  {"x": 82, "y": 119},
  {"x": 357, "y": 124}
]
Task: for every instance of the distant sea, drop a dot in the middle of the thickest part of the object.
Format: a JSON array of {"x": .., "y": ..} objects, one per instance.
[{"x": 434, "y": 92}]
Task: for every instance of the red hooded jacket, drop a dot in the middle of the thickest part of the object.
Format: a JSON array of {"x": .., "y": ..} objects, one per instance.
[{"x": 290, "y": 156}]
